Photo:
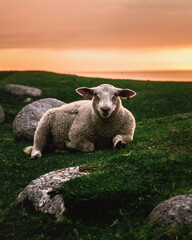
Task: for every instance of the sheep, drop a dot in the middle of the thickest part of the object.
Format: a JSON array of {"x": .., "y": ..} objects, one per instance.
[{"x": 97, "y": 122}]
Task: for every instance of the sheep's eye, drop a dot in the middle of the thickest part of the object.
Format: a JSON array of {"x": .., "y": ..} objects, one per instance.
[{"x": 115, "y": 96}]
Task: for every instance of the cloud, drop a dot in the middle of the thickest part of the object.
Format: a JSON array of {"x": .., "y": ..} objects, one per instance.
[{"x": 113, "y": 24}]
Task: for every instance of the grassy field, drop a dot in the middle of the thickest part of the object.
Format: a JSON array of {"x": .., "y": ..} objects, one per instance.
[{"x": 115, "y": 200}]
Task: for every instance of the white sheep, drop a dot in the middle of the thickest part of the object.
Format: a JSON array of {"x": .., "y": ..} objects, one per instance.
[{"x": 96, "y": 122}]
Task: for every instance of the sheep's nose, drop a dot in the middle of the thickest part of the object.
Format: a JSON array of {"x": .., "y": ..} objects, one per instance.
[{"x": 105, "y": 110}]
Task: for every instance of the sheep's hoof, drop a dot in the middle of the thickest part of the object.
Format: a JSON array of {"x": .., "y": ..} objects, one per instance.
[
  {"x": 36, "y": 154},
  {"x": 119, "y": 145}
]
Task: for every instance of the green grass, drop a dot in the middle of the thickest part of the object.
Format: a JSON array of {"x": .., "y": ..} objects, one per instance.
[{"x": 114, "y": 201}]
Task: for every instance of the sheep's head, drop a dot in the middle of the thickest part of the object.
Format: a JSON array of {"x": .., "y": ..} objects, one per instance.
[{"x": 105, "y": 98}]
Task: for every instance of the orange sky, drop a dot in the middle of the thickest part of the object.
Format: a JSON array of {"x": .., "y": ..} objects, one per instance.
[{"x": 91, "y": 35}]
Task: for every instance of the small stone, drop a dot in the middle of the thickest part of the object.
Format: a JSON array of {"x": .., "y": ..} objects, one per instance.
[
  {"x": 27, "y": 100},
  {"x": 43, "y": 192},
  {"x": 20, "y": 90},
  {"x": 26, "y": 121},
  {"x": 2, "y": 115},
  {"x": 174, "y": 211}
]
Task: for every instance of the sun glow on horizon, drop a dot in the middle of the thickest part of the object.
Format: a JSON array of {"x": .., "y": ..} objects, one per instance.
[{"x": 76, "y": 60}]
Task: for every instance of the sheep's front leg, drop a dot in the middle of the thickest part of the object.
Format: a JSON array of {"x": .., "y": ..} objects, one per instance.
[
  {"x": 120, "y": 141},
  {"x": 83, "y": 145}
]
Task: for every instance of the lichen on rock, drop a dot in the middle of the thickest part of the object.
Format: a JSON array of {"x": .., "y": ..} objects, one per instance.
[
  {"x": 43, "y": 191},
  {"x": 174, "y": 211}
]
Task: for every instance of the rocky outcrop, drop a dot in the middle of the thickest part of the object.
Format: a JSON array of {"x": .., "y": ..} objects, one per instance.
[
  {"x": 174, "y": 211},
  {"x": 20, "y": 90},
  {"x": 26, "y": 121},
  {"x": 2, "y": 115},
  {"x": 43, "y": 192}
]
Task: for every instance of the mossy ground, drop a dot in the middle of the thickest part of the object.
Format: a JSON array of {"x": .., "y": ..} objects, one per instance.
[{"x": 114, "y": 201}]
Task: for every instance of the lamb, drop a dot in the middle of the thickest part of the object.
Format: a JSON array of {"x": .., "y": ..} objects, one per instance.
[{"x": 99, "y": 121}]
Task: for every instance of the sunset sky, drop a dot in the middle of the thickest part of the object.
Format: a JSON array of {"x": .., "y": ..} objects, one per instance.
[{"x": 95, "y": 35}]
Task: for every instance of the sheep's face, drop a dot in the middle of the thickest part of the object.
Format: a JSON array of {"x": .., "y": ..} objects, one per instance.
[
  {"x": 105, "y": 98},
  {"x": 105, "y": 101}
]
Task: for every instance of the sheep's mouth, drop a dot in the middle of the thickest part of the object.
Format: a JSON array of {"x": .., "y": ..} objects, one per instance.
[{"x": 105, "y": 115}]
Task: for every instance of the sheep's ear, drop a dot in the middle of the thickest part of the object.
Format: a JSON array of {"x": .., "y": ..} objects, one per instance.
[
  {"x": 126, "y": 93},
  {"x": 87, "y": 93}
]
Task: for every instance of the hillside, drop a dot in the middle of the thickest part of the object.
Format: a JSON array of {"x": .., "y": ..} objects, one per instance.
[{"x": 114, "y": 201}]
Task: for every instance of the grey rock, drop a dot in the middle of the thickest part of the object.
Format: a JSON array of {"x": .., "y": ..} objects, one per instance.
[
  {"x": 2, "y": 115},
  {"x": 43, "y": 192},
  {"x": 174, "y": 211},
  {"x": 27, "y": 119},
  {"x": 16, "y": 89}
]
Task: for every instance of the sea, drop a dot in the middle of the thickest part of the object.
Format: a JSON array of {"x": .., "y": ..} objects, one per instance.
[{"x": 173, "y": 76}]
